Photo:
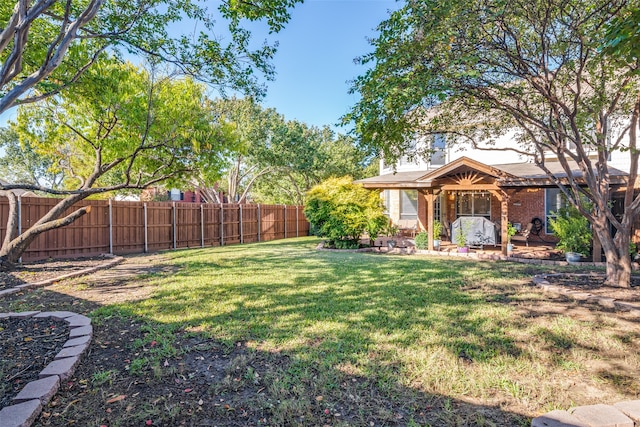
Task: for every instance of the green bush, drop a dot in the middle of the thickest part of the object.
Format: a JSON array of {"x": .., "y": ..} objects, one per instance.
[
  {"x": 572, "y": 230},
  {"x": 342, "y": 212},
  {"x": 422, "y": 240}
]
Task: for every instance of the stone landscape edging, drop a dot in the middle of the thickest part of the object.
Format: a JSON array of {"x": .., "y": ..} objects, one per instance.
[
  {"x": 115, "y": 261},
  {"x": 621, "y": 414},
  {"x": 36, "y": 394},
  {"x": 540, "y": 280}
]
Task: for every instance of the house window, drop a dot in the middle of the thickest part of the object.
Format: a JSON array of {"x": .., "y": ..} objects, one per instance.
[
  {"x": 439, "y": 156},
  {"x": 554, "y": 200},
  {"x": 409, "y": 204},
  {"x": 409, "y": 157},
  {"x": 437, "y": 208},
  {"x": 386, "y": 201},
  {"x": 473, "y": 203}
]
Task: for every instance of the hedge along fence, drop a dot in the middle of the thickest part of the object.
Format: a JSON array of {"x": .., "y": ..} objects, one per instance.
[{"x": 119, "y": 227}]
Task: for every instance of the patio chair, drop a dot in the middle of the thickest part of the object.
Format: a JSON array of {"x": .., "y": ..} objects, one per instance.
[{"x": 523, "y": 235}]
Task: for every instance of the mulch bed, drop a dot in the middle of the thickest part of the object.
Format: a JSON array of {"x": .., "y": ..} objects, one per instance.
[{"x": 26, "y": 347}]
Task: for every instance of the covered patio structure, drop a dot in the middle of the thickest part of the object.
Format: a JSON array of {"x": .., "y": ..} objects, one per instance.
[{"x": 517, "y": 193}]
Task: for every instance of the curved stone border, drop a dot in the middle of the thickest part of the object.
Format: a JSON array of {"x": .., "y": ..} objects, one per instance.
[
  {"x": 540, "y": 280},
  {"x": 36, "y": 394},
  {"x": 115, "y": 261},
  {"x": 500, "y": 257},
  {"x": 622, "y": 414}
]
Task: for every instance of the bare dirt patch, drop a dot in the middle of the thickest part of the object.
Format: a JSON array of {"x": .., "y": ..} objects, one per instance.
[{"x": 32, "y": 272}]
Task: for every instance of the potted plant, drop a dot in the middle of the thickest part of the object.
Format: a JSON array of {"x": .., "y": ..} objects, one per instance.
[
  {"x": 511, "y": 231},
  {"x": 461, "y": 239},
  {"x": 435, "y": 234},
  {"x": 391, "y": 230},
  {"x": 573, "y": 233}
]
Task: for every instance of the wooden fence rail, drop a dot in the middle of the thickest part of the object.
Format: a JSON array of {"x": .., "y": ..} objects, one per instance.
[{"x": 119, "y": 227}]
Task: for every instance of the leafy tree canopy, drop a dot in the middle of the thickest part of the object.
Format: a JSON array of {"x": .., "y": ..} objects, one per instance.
[
  {"x": 45, "y": 45},
  {"x": 123, "y": 127},
  {"x": 20, "y": 162},
  {"x": 278, "y": 161}
]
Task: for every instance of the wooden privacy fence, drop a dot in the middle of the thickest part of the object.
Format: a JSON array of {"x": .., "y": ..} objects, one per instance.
[{"x": 136, "y": 227}]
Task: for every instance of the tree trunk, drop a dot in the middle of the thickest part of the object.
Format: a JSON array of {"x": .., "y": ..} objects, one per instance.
[
  {"x": 616, "y": 252},
  {"x": 619, "y": 273},
  {"x": 13, "y": 249}
]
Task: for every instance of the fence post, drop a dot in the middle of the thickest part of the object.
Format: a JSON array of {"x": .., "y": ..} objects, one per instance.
[
  {"x": 175, "y": 238},
  {"x": 146, "y": 229},
  {"x": 284, "y": 207},
  {"x": 19, "y": 221},
  {"x": 201, "y": 225},
  {"x": 221, "y": 224},
  {"x": 259, "y": 221},
  {"x": 111, "y": 226},
  {"x": 241, "y": 228},
  {"x": 297, "y": 221}
]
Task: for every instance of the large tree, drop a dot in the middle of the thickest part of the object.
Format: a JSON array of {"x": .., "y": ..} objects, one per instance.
[
  {"x": 278, "y": 161},
  {"x": 45, "y": 45},
  {"x": 121, "y": 128},
  {"x": 478, "y": 69}
]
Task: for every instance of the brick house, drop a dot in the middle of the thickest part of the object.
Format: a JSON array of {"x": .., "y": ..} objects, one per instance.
[{"x": 451, "y": 186}]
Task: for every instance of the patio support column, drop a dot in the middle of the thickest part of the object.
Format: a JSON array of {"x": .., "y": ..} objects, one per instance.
[
  {"x": 430, "y": 198},
  {"x": 504, "y": 217}
]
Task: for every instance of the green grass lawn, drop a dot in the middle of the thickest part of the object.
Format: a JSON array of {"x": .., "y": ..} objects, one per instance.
[{"x": 448, "y": 331}]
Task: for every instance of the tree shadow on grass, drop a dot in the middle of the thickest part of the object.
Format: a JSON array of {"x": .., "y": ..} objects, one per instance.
[
  {"x": 362, "y": 336},
  {"x": 138, "y": 370}
]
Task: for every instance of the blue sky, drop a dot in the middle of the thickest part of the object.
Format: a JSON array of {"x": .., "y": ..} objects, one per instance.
[{"x": 315, "y": 57}]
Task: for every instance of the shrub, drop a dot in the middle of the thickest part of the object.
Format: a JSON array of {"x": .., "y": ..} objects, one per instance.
[
  {"x": 342, "y": 211},
  {"x": 422, "y": 240},
  {"x": 572, "y": 230}
]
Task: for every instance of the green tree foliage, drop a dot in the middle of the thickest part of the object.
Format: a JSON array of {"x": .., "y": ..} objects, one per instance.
[
  {"x": 122, "y": 128},
  {"x": 342, "y": 211},
  {"x": 278, "y": 161},
  {"x": 572, "y": 230},
  {"x": 481, "y": 69},
  {"x": 21, "y": 163},
  {"x": 45, "y": 45}
]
